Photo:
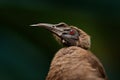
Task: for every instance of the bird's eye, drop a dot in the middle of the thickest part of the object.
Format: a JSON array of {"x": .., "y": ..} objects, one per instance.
[{"x": 72, "y": 32}]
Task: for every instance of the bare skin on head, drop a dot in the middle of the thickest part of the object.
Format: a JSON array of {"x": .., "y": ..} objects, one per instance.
[{"x": 75, "y": 61}]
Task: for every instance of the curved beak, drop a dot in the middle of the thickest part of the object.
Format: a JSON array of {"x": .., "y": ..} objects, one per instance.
[{"x": 57, "y": 29}]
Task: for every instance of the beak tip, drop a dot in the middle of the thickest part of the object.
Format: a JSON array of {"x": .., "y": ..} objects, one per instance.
[{"x": 33, "y": 25}]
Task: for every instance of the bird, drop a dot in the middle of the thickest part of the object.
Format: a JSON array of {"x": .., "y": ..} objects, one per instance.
[{"x": 74, "y": 61}]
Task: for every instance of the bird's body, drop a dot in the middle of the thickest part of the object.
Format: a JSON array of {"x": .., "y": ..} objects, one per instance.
[{"x": 75, "y": 61}]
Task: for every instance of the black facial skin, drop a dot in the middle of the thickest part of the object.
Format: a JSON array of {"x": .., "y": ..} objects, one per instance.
[{"x": 70, "y": 37}]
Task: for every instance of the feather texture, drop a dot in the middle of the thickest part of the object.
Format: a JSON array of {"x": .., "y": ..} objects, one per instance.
[{"x": 75, "y": 63}]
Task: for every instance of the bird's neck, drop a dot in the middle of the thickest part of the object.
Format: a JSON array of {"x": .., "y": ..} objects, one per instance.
[{"x": 69, "y": 50}]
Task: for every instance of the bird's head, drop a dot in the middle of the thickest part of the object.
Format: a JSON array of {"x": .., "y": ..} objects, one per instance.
[{"x": 68, "y": 35}]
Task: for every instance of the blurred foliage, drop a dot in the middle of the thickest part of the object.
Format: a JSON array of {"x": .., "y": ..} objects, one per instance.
[{"x": 26, "y": 52}]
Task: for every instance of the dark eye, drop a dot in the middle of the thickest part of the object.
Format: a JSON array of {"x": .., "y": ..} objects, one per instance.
[{"x": 72, "y": 32}]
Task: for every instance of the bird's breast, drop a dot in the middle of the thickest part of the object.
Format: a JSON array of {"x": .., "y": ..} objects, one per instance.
[
  {"x": 75, "y": 63},
  {"x": 69, "y": 61}
]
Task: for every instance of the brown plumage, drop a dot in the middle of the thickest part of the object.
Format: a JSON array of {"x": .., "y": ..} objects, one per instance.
[{"x": 75, "y": 61}]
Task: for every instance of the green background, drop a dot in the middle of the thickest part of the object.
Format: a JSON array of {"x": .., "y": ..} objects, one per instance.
[{"x": 26, "y": 52}]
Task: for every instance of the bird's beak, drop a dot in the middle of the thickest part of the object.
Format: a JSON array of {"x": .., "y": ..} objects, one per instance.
[{"x": 57, "y": 29}]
